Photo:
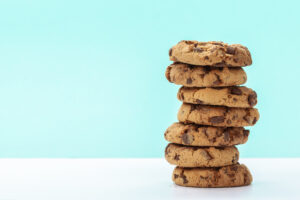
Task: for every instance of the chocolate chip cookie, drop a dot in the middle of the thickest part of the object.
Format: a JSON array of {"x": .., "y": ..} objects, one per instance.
[
  {"x": 197, "y": 135},
  {"x": 191, "y": 156},
  {"x": 216, "y": 54},
  {"x": 205, "y": 76},
  {"x": 234, "y": 96},
  {"x": 228, "y": 176},
  {"x": 217, "y": 115}
]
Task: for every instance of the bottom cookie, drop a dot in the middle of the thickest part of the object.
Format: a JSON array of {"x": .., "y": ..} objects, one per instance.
[{"x": 228, "y": 176}]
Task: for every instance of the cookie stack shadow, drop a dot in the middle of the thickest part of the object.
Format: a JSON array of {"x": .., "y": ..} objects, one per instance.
[{"x": 213, "y": 115}]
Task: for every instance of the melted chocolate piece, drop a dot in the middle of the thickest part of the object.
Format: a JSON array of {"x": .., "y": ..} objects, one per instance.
[{"x": 217, "y": 119}]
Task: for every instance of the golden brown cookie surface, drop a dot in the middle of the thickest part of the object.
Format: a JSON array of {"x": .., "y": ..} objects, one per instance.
[
  {"x": 205, "y": 76},
  {"x": 228, "y": 176},
  {"x": 191, "y": 156},
  {"x": 217, "y": 115},
  {"x": 197, "y": 135},
  {"x": 212, "y": 53},
  {"x": 235, "y": 96}
]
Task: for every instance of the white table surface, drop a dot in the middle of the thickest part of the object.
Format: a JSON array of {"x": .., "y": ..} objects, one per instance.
[{"x": 88, "y": 179}]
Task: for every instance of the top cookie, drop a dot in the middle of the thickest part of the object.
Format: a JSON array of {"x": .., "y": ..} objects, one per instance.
[{"x": 217, "y": 54}]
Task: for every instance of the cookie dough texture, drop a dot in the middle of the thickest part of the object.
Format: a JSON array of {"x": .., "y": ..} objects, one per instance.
[
  {"x": 191, "y": 156},
  {"x": 197, "y": 135},
  {"x": 205, "y": 76},
  {"x": 234, "y": 96},
  {"x": 217, "y": 115},
  {"x": 228, "y": 176},
  {"x": 217, "y": 54}
]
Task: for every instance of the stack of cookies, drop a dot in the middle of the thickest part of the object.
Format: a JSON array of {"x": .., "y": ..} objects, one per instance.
[{"x": 212, "y": 117}]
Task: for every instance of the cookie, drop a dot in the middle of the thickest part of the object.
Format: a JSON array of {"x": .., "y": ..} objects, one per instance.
[
  {"x": 216, "y": 54},
  {"x": 217, "y": 115},
  {"x": 234, "y": 96},
  {"x": 205, "y": 76},
  {"x": 191, "y": 156},
  {"x": 197, "y": 135},
  {"x": 228, "y": 176}
]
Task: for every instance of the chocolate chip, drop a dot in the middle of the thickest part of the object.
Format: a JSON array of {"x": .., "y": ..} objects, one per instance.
[
  {"x": 198, "y": 50},
  {"x": 206, "y": 155},
  {"x": 228, "y": 121},
  {"x": 246, "y": 133},
  {"x": 183, "y": 177},
  {"x": 235, "y": 60},
  {"x": 188, "y": 42},
  {"x": 189, "y": 81},
  {"x": 235, "y": 99},
  {"x": 170, "y": 52},
  {"x": 213, "y": 140},
  {"x": 176, "y": 157},
  {"x": 254, "y": 121},
  {"x": 187, "y": 138},
  {"x": 231, "y": 50},
  {"x": 198, "y": 101},
  {"x": 226, "y": 136},
  {"x": 252, "y": 99},
  {"x": 193, "y": 107},
  {"x": 231, "y": 175},
  {"x": 206, "y": 58},
  {"x": 218, "y": 81},
  {"x": 185, "y": 181},
  {"x": 236, "y": 91},
  {"x": 234, "y": 168},
  {"x": 176, "y": 176},
  {"x": 247, "y": 118},
  {"x": 217, "y": 119}
]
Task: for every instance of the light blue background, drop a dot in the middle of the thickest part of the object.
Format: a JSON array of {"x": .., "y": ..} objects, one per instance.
[{"x": 86, "y": 78}]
